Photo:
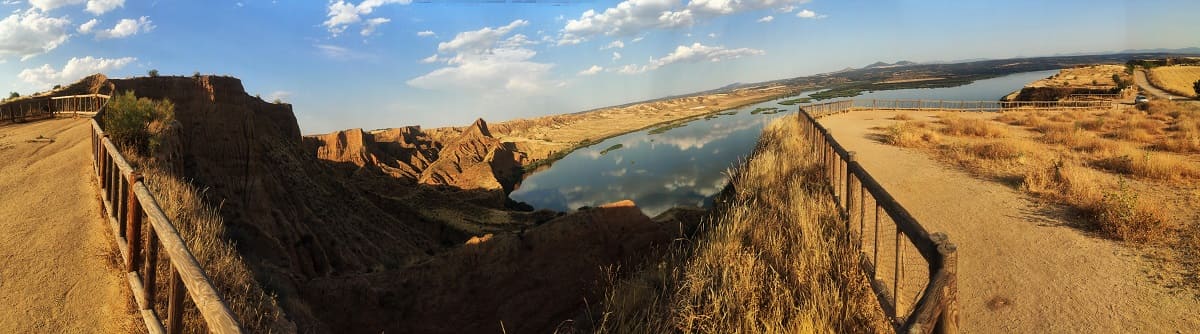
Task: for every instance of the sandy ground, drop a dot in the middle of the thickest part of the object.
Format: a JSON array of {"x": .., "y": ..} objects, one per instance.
[
  {"x": 58, "y": 264},
  {"x": 1051, "y": 277}
]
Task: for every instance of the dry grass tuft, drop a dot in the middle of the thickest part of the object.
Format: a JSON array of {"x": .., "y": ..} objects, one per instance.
[
  {"x": 775, "y": 258},
  {"x": 203, "y": 230},
  {"x": 910, "y": 134},
  {"x": 902, "y": 117},
  {"x": 1149, "y": 165},
  {"x": 1120, "y": 215},
  {"x": 972, "y": 127},
  {"x": 997, "y": 150}
]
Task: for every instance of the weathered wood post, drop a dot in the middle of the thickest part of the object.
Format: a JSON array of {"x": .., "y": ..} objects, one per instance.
[
  {"x": 849, "y": 190},
  {"x": 947, "y": 322},
  {"x": 175, "y": 303},
  {"x": 150, "y": 266},
  {"x": 133, "y": 230}
]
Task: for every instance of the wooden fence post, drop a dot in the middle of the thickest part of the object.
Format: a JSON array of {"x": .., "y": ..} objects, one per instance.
[
  {"x": 947, "y": 322},
  {"x": 175, "y": 303},
  {"x": 133, "y": 230},
  {"x": 150, "y": 266}
]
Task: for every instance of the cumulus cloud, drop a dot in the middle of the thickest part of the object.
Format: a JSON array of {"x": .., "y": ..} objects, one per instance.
[
  {"x": 98, "y": 7},
  {"x": 766, "y": 19},
  {"x": 617, "y": 44},
  {"x": 30, "y": 33},
  {"x": 87, "y": 27},
  {"x": 485, "y": 61},
  {"x": 690, "y": 54},
  {"x": 616, "y": 56},
  {"x": 281, "y": 95},
  {"x": 808, "y": 14},
  {"x": 591, "y": 70},
  {"x": 75, "y": 69},
  {"x": 725, "y": 7},
  {"x": 126, "y": 28},
  {"x": 371, "y": 24},
  {"x": 787, "y": 9},
  {"x": 626, "y": 18},
  {"x": 342, "y": 14},
  {"x": 427, "y": 33}
]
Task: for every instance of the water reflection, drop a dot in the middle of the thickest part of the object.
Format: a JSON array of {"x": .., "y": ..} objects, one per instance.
[{"x": 687, "y": 165}]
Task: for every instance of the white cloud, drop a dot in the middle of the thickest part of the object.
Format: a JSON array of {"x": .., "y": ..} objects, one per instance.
[
  {"x": 126, "y": 28},
  {"x": 342, "y": 14},
  {"x": 787, "y": 9},
  {"x": 478, "y": 41},
  {"x": 616, "y": 56},
  {"x": 637, "y": 39},
  {"x": 431, "y": 59},
  {"x": 96, "y": 7},
  {"x": 808, "y": 14},
  {"x": 427, "y": 33},
  {"x": 30, "y": 33},
  {"x": 341, "y": 53},
  {"x": 99, "y": 7},
  {"x": 627, "y": 18},
  {"x": 281, "y": 95},
  {"x": 766, "y": 19},
  {"x": 725, "y": 7},
  {"x": 615, "y": 44},
  {"x": 591, "y": 70},
  {"x": 690, "y": 54},
  {"x": 87, "y": 27},
  {"x": 484, "y": 61},
  {"x": 712, "y": 35},
  {"x": 76, "y": 69},
  {"x": 371, "y": 24}
]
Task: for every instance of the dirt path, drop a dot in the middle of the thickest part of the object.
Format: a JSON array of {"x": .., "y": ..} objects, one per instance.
[
  {"x": 1056, "y": 278},
  {"x": 58, "y": 263},
  {"x": 1139, "y": 77}
]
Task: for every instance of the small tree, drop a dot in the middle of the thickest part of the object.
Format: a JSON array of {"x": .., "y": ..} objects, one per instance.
[
  {"x": 127, "y": 119},
  {"x": 153, "y": 73},
  {"x": 196, "y": 75},
  {"x": 1196, "y": 87},
  {"x": 57, "y": 86},
  {"x": 13, "y": 95}
]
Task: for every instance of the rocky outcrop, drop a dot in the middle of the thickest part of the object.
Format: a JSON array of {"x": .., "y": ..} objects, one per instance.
[
  {"x": 400, "y": 153},
  {"x": 475, "y": 161}
]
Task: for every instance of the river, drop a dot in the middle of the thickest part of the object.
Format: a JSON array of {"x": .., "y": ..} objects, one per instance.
[{"x": 688, "y": 165}]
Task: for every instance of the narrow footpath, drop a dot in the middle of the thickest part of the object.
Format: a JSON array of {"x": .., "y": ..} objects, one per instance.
[
  {"x": 1020, "y": 269},
  {"x": 59, "y": 269}
]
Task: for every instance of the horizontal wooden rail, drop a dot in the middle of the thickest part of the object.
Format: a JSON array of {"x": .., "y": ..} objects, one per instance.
[
  {"x": 131, "y": 207},
  {"x": 936, "y": 310},
  {"x": 825, "y": 108}
]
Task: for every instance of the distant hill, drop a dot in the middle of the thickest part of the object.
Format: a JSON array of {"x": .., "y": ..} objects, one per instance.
[{"x": 880, "y": 64}]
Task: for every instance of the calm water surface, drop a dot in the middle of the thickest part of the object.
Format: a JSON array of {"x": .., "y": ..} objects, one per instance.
[{"x": 688, "y": 165}]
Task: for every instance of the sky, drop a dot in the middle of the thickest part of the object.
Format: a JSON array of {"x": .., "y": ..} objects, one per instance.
[{"x": 387, "y": 63}]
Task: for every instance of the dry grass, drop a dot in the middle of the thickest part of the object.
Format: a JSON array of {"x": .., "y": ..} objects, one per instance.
[
  {"x": 203, "y": 230},
  {"x": 955, "y": 126},
  {"x": 1141, "y": 163},
  {"x": 1119, "y": 214},
  {"x": 902, "y": 117},
  {"x": 911, "y": 134},
  {"x": 1175, "y": 79},
  {"x": 774, "y": 258}
]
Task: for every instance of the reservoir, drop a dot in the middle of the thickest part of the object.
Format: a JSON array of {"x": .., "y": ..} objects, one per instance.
[{"x": 687, "y": 166}]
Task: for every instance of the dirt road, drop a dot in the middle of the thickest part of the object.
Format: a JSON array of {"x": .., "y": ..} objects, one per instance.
[
  {"x": 1054, "y": 278},
  {"x": 1139, "y": 77},
  {"x": 58, "y": 263}
]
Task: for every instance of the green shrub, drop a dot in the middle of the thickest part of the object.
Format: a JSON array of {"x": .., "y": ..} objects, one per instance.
[
  {"x": 14, "y": 95},
  {"x": 127, "y": 120},
  {"x": 153, "y": 73}
]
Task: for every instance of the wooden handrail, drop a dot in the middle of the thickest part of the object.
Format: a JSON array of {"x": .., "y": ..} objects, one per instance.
[
  {"x": 126, "y": 200},
  {"x": 937, "y": 309}
]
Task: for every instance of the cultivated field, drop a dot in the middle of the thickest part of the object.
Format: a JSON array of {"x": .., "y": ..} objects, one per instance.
[{"x": 1176, "y": 79}]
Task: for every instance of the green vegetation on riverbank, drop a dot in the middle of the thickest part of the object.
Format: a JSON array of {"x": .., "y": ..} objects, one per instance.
[{"x": 612, "y": 148}]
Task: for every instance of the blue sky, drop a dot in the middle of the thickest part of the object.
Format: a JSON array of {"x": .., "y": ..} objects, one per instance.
[{"x": 387, "y": 63}]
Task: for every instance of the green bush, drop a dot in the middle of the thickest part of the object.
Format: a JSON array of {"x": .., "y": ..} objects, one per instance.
[
  {"x": 127, "y": 120},
  {"x": 14, "y": 95},
  {"x": 153, "y": 73}
]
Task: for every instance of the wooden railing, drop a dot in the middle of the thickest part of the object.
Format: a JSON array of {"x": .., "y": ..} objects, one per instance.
[
  {"x": 819, "y": 109},
  {"x": 141, "y": 228},
  {"x": 31, "y": 108},
  {"x": 931, "y": 304}
]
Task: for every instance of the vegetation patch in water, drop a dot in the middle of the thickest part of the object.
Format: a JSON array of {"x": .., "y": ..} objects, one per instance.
[
  {"x": 667, "y": 127},
  {"x": 611, "y": 148},
  {"x": 795, "y": 101}
]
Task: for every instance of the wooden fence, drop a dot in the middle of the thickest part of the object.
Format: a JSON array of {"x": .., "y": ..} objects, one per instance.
[
  {"x": 32, "y": 108},
  {"x": 933, "y": 307},
  {"x": 141, "y": 229},
  {"x": 819, "y": 109}
]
